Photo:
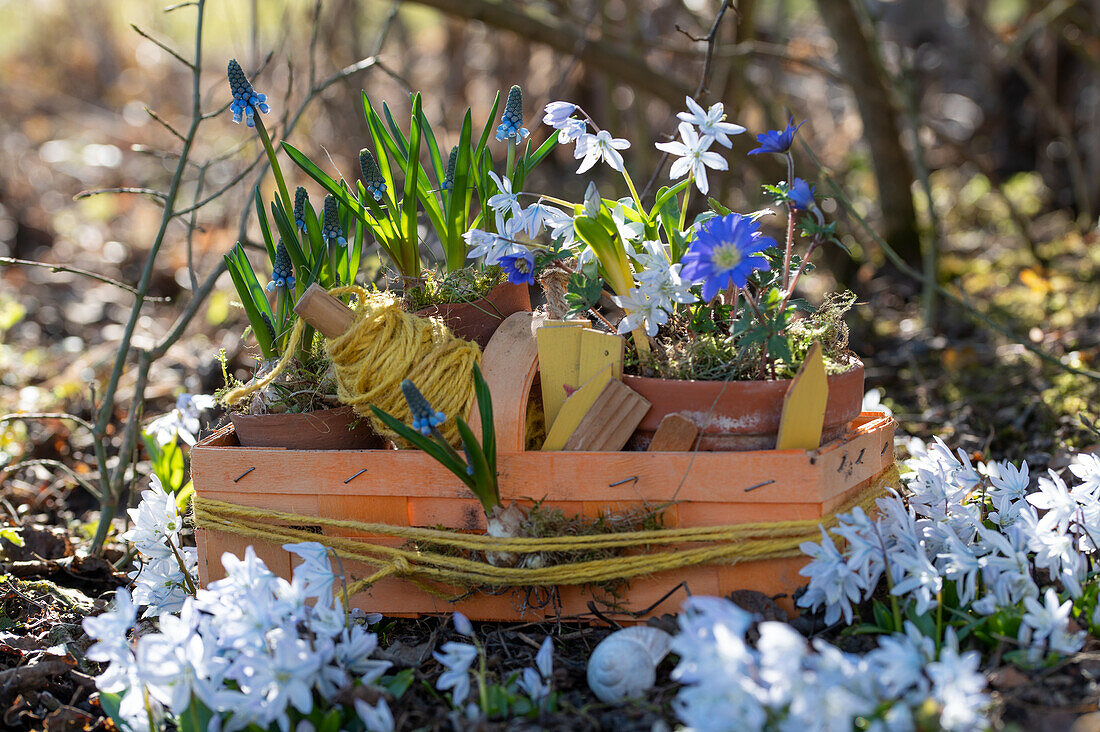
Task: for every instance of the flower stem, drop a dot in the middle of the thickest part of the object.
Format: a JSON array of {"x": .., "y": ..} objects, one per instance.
[
  {"x": 687, "y": 200},
  {"x": 790, "y": 246},
  {"x": 637, "y": 199},
  {"x": 511, "y": 157},
  {"x": 275, "y": 169}
]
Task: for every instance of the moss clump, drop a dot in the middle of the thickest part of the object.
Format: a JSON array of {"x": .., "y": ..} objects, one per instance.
[
  {"x": 462, "y": 285},
  {"x": 682, "y": 353}
]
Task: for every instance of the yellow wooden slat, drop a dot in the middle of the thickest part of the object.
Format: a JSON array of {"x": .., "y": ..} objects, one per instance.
[{"x": 804, "y": 405}]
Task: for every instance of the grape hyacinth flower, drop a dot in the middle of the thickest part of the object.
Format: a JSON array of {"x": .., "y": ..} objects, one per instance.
[
  {"x": 777, "y": 141},
  {"x": 721, "y": 254},
  {"x": 372, "y": 174},
  {"x": 693, "y": 157},
  {"x": 520, "y": 268},
  {"x": 282, "y": 272},
  {"x": 801, "y": 195},
  {"x": 711, "y": 126},
  {"x": 245, "y": 99},
  {"x": 511, "y": 122},
  {"x": 425, "y": 419},
  {"x": 449, "y": 178},
  {"x": 330, "y": 227},
  {"x": 300, "y": 200}
]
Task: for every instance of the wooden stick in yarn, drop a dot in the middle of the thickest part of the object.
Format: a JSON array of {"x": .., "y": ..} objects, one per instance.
[{"x": 324, "y": 312}]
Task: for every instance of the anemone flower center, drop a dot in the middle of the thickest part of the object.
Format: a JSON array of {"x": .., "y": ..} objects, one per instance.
[{"x": 726, "y": 256}]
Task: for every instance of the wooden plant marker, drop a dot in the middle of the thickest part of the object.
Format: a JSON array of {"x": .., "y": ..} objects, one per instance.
[
  {"x": 569, "y": 356},
  {"x": 804, "y": 405},
  {"x": 574, "y": 409},
  {"x": 612, "y": 419},
  {"x": 676, "y": 433}
]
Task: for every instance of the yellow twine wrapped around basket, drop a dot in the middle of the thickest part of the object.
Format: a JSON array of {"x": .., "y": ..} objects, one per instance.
[
  {"x": 383, "y": 346},
  {"x": 708, "y": 545}
]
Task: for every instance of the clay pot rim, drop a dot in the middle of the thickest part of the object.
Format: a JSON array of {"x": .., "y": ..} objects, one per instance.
[{"x": 856, "y": 364}]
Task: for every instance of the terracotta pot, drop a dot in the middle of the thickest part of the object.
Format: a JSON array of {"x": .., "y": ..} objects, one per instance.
[
  {"x": 740, "y": 415},
  {"x": 478, "y": 320},
  {"x": 324, "y": 429}
]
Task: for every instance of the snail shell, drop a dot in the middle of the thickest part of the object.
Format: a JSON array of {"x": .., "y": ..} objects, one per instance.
[{"x": 624, "y": 664}]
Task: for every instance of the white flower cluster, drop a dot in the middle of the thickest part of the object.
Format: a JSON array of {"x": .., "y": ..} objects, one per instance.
[
  {"x": 785, "y": 684},
  {"x": 251, "y": 648},
  {"x": 166, "y": 576},
  {"x": 513, "y": 221},
  {"x": 976, "y": 528}
]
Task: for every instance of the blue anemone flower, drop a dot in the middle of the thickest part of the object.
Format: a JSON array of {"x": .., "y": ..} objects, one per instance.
[
  {"x": 801, "y": 195},
  {"x": 300, "y": 200},
  {"x": 511, "y": 122},
  {"x": 372, "y": 174},
  {"x": 282, "y": 271},
  {"x": 331, "y": 231},
  {"x": 721, "y": 253},
  {"x": 424, "y": 418},
  {"x": 520, "y": 268},
  {"x": 777, "y": 141},
  {"x": 245, "y": 99}
]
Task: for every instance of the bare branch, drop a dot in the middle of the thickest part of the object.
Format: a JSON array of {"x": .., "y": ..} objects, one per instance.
[
  {"x": 156, "y": 195},
  {"x": 57, "y": 464},
  {"x": 16, "y": 416},
  {"x": 163, "y": 47},
  {"x": 164, "y": 123},
  {"x": 9, "y": 261}
]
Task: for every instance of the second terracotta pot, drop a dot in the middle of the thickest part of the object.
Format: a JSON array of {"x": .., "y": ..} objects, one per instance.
[
  {"x": 324, "y": 429},
  {"x": 479, "y": 319},
  {"x": 740, "y": 415}
]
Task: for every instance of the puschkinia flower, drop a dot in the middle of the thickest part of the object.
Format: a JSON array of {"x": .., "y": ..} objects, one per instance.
[
  {"x": 505, "y": 200},
  {"x": 801, "y": 195},
  {"x": 301, "y": 198},
  {"x": 782, "y": 682},
  {"x": 331, "y": 231},
  {"x": 711, "y": 123},
  {"x": 182, "y": 422},
  {"x": 282, "y": 272},
  {"x": 372, "y": 174},
  {"x": 722, "y": 253},
  {"x": 535, "y": 682},
  {"x": 245, "y": 99},
  {"x": 558, "y": 114},
  {"x": 377, "y": 718},
  {"x": 601, "y": 146},
  {"x": 520, "y": 268},
  {"x": 692, "y": 157},
  {"x": 777, "y": 141},
  {"x": 511, "y": 122},
  {"x": 456, "y": 659},
  {"x": 424, "y": 418}
]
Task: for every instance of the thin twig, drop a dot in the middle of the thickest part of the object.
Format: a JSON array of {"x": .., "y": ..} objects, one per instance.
[
  {"x": 711, "y": 39},
  {"x": 15, "y": 416},
  {"x": 167, "y": 49},
  {"x": 165, "y": 124},
  {"x": 8, "y": 470},
  {"x": 9, "y": 261},
  {"x": 157, "y": 195}
]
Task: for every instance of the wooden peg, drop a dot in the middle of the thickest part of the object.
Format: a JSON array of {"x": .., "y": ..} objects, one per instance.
[
  {"x": 611, "y": 420},
  {"x": 324, "y": 312},
  {"x": 676, "y": 433},
  {"x": 804, "y": 405}
]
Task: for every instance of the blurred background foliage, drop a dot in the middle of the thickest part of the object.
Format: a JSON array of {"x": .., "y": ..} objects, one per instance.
[{"x": 966, "y": 131}]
